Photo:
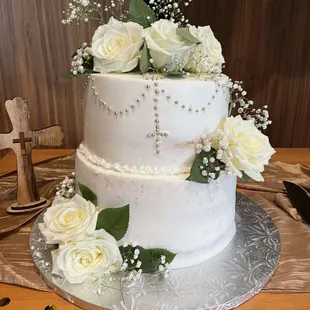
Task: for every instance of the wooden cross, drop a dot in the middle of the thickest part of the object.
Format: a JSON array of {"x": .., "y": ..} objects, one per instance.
[{"x": 21, "y": 139}]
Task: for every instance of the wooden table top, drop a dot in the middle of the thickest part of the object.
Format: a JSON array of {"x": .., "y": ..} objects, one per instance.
[{"x": 27, "y": 299}]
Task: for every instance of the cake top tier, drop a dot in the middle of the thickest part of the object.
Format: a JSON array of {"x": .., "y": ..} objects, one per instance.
[
  {"x": 152, "y": 36},
  {"x": 132, "y": 121}
]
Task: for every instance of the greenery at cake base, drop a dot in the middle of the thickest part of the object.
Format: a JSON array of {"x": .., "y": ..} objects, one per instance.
[{"x": 88, "y": 235}]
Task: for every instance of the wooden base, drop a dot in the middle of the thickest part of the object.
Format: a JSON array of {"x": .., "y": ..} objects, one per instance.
[{"x": 15, "y": 208}]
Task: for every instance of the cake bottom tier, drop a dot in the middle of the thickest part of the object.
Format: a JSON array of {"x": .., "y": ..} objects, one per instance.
[{"x": 194, "y": 220}]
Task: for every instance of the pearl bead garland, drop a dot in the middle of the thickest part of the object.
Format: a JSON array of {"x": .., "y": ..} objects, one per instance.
[
  {"x": 203, "y": 108},
  {"x": 158, "y": 95},
  {"x": 117, "y": 113},
  {"x": 157, "y": 92}
]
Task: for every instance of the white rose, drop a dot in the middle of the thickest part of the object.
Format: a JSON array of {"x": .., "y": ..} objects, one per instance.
[
  {"x": 89, "y": 259},
  {"x": 166, "y": 47},
  {"x": 116, "y": 46},
  {"x": 250, "y": 148},
  {"x": 69, "y": 220},
  {"x": 207, "y": 57}
]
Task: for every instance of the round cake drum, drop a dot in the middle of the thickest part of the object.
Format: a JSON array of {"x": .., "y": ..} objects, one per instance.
[{"x": 223, "y": 282}]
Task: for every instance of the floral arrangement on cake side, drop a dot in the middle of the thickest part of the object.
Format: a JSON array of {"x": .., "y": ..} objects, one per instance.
[
  {"x": 89, "y": 240},
  {"x": 238, "y": 146}
]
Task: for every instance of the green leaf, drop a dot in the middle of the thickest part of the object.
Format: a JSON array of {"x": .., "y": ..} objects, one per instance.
[
  {"x": 157, "y": 253},
  {"x": 175, "y": 73},
  {"x": 88, "y": 194},
  {"x": 115, "y": 221},
  {"x": 195, "y": 174},
  {"x": 245, "y": 177},
  {"x": 150, "y": 258},
  {"x": 141, "y": 13},
  {"x": 185, "y": 34},
  {"x": 144, "y": 60}
]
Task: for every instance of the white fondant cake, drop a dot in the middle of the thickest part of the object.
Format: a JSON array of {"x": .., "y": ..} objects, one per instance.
[{"x": 139, "y": 145}]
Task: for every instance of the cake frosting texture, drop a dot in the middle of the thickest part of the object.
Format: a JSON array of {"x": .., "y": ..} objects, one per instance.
[
  {"x": 138, "y": 122},
  {"x": 139, "y": 144}
]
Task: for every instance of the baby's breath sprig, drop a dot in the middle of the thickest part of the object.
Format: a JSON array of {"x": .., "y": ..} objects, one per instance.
[
  {"x": 86, "y": 10},
  {"x": 67, "y": 187},
  {"x": 213, "y": 158},
  {"x": 244, "y": 106},
  {"x": 137, "y": 260},
  {"x": 116, "y": 8},
  {"x": 169, "y": 9},
  {"x": 131, "y": 264},
  {"x": 83, "y": 10},
  {"x": 82, "y": 61},
  {"x": 178, "y": 70}
]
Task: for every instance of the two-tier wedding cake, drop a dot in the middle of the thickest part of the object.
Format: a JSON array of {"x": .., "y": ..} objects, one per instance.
[
  {"x": 162, "y": 150},
  {"x": 139, "y": 145}
]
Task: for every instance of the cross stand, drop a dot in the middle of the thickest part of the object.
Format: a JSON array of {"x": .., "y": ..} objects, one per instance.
[{"x": 21, "y": 139}]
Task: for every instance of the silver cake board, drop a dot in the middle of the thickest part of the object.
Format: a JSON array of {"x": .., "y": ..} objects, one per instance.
[{"x": 225, "y": 281}]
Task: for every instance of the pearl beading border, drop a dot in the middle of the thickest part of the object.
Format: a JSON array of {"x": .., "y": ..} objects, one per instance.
[
  {"x": 138, "y": 101},
  {"x": 158, "y": 93},
  {"x": 101, "y": 163},
  {"x": 104, "y": 104}
]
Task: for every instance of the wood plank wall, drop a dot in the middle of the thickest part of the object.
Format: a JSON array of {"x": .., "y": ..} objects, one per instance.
[{"x": 266, "y": 44}]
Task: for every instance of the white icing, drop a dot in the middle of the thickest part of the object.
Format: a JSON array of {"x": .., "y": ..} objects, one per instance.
[
  {"x": 124, "y": 138},
  {"x": 191, "y": 219},
  {"x": 139, "y": 145},
  {"x": 101, "y": 163}
]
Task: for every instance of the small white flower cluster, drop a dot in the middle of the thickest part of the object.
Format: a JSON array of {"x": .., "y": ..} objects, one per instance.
[
  {"x": 201, "y": 65},
  {"x": 215, "y": 161},
  {"x": 179, "y": 70},
  {"x": 163, "y": 267},
  {"x": 169, "y": 9},
  {"x": 131, "y": 277},
  {"x": 116, "y": 9},
  {"x": 245, "y": 108},
  {"x": 81, "y": 57},
  {"x": 134, "y": 265},
  {"x": 82, "y": 10},
  {"x": 67, "y": 188}
]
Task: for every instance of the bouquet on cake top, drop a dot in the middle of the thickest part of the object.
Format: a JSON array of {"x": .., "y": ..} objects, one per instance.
[{"x": 147, "y": 38}]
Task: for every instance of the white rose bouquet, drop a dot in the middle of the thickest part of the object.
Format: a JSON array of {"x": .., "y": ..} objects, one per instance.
[
  {"x": 152, "y": 37},
  {"x": 237, "y": 147},
  {"x": 88, "y": 241}
]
